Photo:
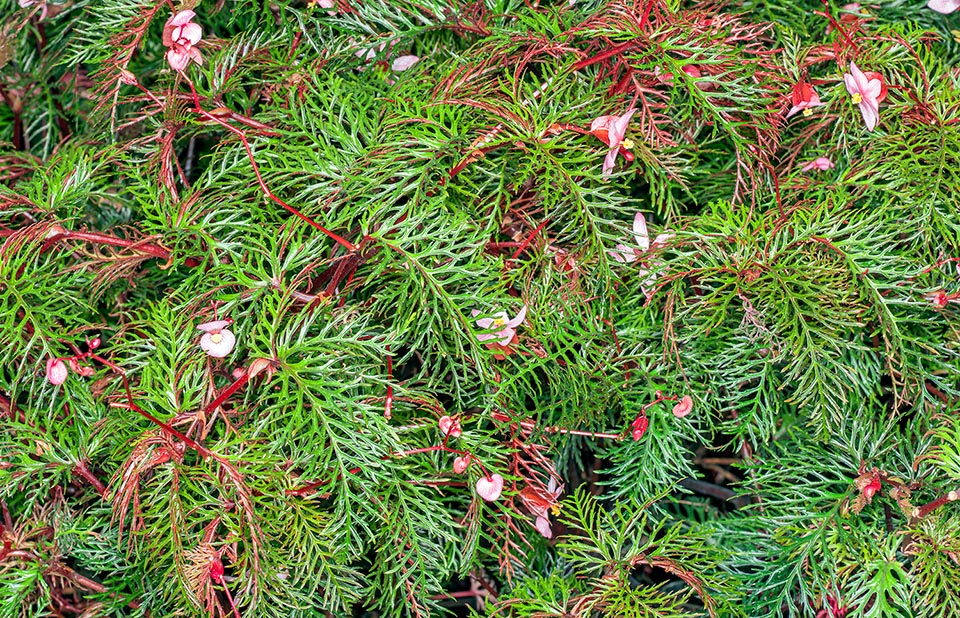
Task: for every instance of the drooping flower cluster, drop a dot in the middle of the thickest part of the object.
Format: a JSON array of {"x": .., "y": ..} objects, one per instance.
[{"x": 181, "y": 35}]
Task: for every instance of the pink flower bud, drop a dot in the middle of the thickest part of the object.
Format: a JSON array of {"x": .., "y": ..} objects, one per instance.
[
  {"x": 450, "y": 427},
  {"x": 871, "y": 489},
  {"x": 490, "y": 488},
  {"x": 94, "y": 343},
  {"x": 639, "y": 425},
  {"x": 56, "y": 371},
  {"x": 683, "y": 407},
  {"x": 86, "y": 371},
  {"x": 460, "y": 464},
  {"x": 74, "y": 364}
]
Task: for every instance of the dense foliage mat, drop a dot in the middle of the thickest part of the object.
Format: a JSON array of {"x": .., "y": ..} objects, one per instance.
[{"x": 408, "y": 308}]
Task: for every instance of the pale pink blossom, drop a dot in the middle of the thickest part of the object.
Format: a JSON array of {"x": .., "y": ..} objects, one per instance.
[
  {"x": 490, "y": 488},
  {"x": 217, "y": 341},
  {"x": 43, "y": 6},
  {"x": 181, "y": 35},
  {"x": 540, "y": 503},
  {"x": 505, "y": 328},
  {"x": 820, "y": 163},
  {"x": 867, "y": 92},
  {"x": 804, "y": 98},
  {"x": 944, "y": 6},
  {"x": 56, "y": 371},
  {"x": 402, "y": 63},
  {"x": 611, "y": 130},
  {"x": 450, "y": 427}
]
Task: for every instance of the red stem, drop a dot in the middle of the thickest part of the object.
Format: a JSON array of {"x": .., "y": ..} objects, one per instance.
[
  {"x": 349, "y": 246},
  {"x": 528, "y": 240}
]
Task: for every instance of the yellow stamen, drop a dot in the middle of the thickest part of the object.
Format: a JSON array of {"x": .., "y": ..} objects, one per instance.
[
  {"x": 216, "y": 337},
  {"x": 627, "y": 143},
  {"x": 498, "y": 323},
  {"x": 808, "y": 112},
  {"x": 555, "y": 509},
  {"x": 857, "y": 98}
]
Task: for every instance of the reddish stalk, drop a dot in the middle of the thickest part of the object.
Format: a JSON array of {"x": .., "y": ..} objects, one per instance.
[
  {"x": 349, "y": 246},
  {"x": 530, "y": 425},
  {"x": 528, "y": 240},
  {"x": 922, "y": 511},
  {"x": 836, "y": 25},
  {"x": 388, "y": 404}
]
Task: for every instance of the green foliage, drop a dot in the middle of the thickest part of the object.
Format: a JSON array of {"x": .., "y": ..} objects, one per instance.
[{"x": 358, "y": 224}]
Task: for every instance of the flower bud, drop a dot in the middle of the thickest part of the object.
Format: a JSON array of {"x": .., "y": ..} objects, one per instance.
[
  {"x": 56, "y": 371},
  {"x": 450, "y": 427},
  {"x": 460, "y": 464},
  {"x": 639, "y": 427}
]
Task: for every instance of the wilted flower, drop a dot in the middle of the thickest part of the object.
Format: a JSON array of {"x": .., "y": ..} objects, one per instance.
[
  {"x": 804, "y": 98},
  {"x": 820, "y": 163},
  {"x": 611, "y": 130},
  {"x": 56, "y": 371},
  {"x": 540, "y": 503},
  {"x": 505, "y": 327},
  {"x": 940, "y": 6},
  {"x": 217, "y": 340},
  {"x": 490, "y": 488},
  {"x": 450, "y": 426},
  {"x": 683, "y": 407},
  {"x": 867, "y": 90},
  {"x": 180, "y": 34}
]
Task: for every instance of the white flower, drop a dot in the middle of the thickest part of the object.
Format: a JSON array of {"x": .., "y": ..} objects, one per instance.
[{"x": 217, "y": 340}]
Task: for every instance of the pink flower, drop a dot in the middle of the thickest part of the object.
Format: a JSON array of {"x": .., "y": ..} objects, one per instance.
[
  {"x": 403, "y": 63},
  {"x": 490, "y": 488},
  {"x": 217, "y": 341},
  {"x": 56, "y": 371},
  {"x": 683, "y": 407},
  {"x": 542, "y": 524},
  {"x": 804, "y": 98},
  {"x": 940, "y": 6},
  {"x": 180, "y": 34},
  {"x": 821, "y": 163},
  {"x": 540, "y": 503},
  {"x": 625, "y": 253},
  {"x": 867, "y": 90},
  {"x": 506, "y": 327},
  {"x": 611, "y": 130},
  {"x": 450, "y": 427}
]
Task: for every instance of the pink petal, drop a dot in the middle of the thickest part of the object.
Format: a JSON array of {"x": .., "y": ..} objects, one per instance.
[
  {"x": 602, "y": 123},
  {"x": 177, "y": 59},
  {"x": 622, "y": 254},
  {"x": 181, "y": 18},
  {"x": 543, "y": 527},
  {"x": 506, "y": 336},
  {"x": 683, "y": 407},
  {"x": 618, "y": 128},
  {"x": 490, "y": 488},
  {"x": 404, "y": 62},
  {"x": 518, "y": 320},
  {"x": 214, "y": 326},
  {"x": 872, "y": 91},
  {"x": 640, "y": 231},
  {"x": 56, "y": 371},
  {"x": 449, "y": 427},
  {"x": 871, "y": 114},
  {"x": 218, "y": 349},
  {"x": 192, "y": 32},
  {"x": 609, "y": 161},
  {"x": 460, "y": 464},
  {"x": 859, "y": 78},
  {"x": 851, "y": 83},
  {"x": 796, "y": 109},
  {"x": 486, "y": 336},
  {"x": 940, "y": 6},
  {"x": 196, "y": 57}
]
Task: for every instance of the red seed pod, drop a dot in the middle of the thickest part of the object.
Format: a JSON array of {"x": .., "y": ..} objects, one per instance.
[
  {"x": 683, "y": 407},
  {"x": 639, "y": 427},
  {"x": 450, "y": 426},
  {"x": 94, "y": 343},
  {"x": 460, "y": 464}
]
